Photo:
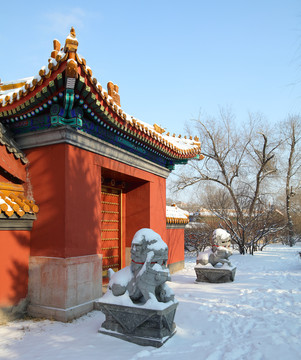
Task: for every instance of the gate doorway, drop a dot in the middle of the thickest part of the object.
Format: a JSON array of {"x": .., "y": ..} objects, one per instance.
[{"x": 111, "y": 244}]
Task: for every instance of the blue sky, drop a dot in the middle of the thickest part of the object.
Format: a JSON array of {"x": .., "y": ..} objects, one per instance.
[{"x": 170, "y": 58}]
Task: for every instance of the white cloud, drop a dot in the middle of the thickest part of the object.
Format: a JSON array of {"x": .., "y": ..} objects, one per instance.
[{"x": 60, "y": 22}]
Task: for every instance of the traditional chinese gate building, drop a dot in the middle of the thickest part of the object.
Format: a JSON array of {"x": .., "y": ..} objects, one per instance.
[{"x": 78, "y": 178}]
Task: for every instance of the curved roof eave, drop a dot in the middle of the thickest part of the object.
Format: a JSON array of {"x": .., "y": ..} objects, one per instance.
[{"x": 30, "y": 94}]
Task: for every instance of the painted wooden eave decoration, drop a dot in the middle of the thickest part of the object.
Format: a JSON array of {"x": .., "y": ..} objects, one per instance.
[
  {"x": 175, "y": 215},
  {"x": 65, "y": 92},
  {"x": 13, "y": 203}
]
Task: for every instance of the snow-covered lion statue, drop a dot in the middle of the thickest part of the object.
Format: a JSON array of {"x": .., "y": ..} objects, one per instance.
[
  {"x": 220, "y": 250},
  {"x": 145, "y": 278}
]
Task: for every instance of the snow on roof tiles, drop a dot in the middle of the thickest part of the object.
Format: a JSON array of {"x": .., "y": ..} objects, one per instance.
[
  {"x": 176, "y": 215},
  {"x": 13, "y": 201}
]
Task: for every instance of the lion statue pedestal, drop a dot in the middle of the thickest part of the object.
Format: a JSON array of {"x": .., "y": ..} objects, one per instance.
[{"x": 213, "y": 265}]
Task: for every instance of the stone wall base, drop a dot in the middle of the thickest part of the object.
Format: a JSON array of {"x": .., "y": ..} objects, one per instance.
[
  {"x": 63, "y": 288},
  {"x": 63, "y": 315},
  {"x": 176, "y": 266}
]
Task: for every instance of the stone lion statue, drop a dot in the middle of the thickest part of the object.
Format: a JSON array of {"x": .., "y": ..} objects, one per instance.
[
  {"x": 145, "y": 278},
  {"x": 220, "y": 250}
]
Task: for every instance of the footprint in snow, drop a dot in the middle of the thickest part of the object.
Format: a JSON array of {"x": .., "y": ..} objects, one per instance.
[
  {"x": 216, "y": 355},
  {"x": 236, "y": 353},
  {"x": 143, "y": 353},
  {"x": 202, "y": 344}
]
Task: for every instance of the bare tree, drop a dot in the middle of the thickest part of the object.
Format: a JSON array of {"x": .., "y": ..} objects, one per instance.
[
  {"x": 291, "y": 131},
  {"x": 197, "y": 236},
  {"x": 259, "y": 228},
  {"x": 239, "y": 161}
]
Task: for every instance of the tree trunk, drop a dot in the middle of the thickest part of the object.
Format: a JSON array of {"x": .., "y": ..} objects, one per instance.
[{"x": 288, "y": 190}]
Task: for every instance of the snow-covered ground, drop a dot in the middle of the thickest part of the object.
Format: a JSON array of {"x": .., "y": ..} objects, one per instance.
[{"x": 256, "y": 317}]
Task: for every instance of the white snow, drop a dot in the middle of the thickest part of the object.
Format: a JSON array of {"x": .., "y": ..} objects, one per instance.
[
  {"x": 71, "y": 37},
  {"x": 209, "y": 265},
  {"x": 257, "y": 317},
  {"x": 149, "y": 235},
  {"x": 27, "y": 79},
  {"x": 121, "y": 277},
  {"x": 176, "y": 213},
  {"x": 158, "y": 267},
  {"x": 204, "y": 255},
  {"x": 170, "y": 141},
  {"x": 222, "y": 234},
  {"x": 125, "y": 300},
  {"x": 2, "y": 201},
  {"x": 46, "y": 69}
]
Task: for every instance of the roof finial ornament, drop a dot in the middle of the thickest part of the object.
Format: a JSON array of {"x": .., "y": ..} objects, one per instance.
[
  {"x": 72, "y": 31},
  {"x": 71, "y": 44},
  {"x": 113, "y": 92},
  {"x": 159, "y": 129},
  {"x": 56, "y": 48}
]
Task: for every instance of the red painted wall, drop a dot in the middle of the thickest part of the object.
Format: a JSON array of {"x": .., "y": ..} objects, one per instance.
[
  {"x": 146, "y": 208},
  {"x": 82, "y": 203},
  {"x": 47, "y": 172},
  {"x": 14, "y": 255},
  {"x": 158, "y": 207},
  {"x": 175, "y": 242},
  {"x": 137, "y": 213},
  {"x": 66, "y": 184}
]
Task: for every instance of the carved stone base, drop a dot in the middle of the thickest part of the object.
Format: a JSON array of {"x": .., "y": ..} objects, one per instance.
[
  {"x": 147, "y": 327},
  {"x": 214, "y": 275}
]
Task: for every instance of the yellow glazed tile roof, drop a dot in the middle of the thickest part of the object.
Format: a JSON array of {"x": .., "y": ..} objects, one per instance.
[
  {"x": 175, "y": 215},
  {"x": 13, "y": 201}
]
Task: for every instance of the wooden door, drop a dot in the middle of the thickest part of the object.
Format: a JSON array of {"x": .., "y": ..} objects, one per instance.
[{"x": 111, "y": 230}]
